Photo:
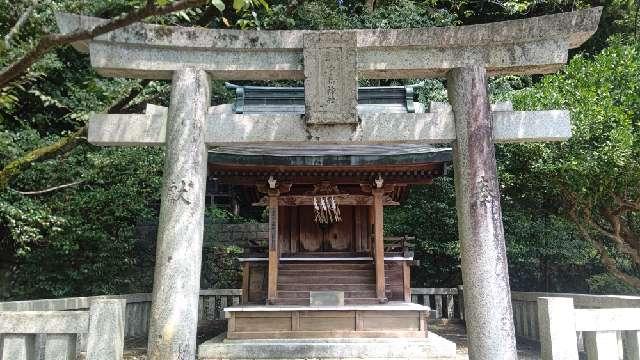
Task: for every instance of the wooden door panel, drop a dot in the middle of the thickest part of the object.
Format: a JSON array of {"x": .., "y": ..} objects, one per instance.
[
  {"x": 339, "y": 236},
  {"x": 310, "y": 232}
]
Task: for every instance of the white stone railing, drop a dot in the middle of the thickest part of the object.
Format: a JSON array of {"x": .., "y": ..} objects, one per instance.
[
  {"x": 136, "y": 312},
  {"x": 445, "y": 303},
  {"x": 607, "y": 333},
  {"x": 525, "y": 308},
  {"x": 55, "y": 335}
]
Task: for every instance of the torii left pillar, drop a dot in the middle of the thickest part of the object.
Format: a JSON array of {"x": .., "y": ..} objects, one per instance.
[{"x": 176, "y": 283}]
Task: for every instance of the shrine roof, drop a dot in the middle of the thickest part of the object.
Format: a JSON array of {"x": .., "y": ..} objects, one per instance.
[
  {"x": 329, "y": 155},
  {"x": 290, "y": 100}
]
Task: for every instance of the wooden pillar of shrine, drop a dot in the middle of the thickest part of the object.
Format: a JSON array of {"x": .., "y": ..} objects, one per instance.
[
  {"x": 176, "y": 283},
  {"x": 274, "y": 251},
  {"x": 487, "y": 296},
  {"x": 378, "y": 243}
]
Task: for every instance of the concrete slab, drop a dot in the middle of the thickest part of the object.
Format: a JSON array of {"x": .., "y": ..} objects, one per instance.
[{"x": 431, "y": 347}]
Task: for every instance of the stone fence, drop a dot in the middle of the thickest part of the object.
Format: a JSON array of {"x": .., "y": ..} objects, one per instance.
[
  {"x": 446, "y": 304},
  {"x": 525, "y": 308},
  {"x": 52, "y": 316},
  {"x": 44, "y": 333},
  {"x": 611, "y": 330}
]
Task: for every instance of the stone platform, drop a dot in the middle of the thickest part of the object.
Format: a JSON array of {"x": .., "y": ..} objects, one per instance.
[{"x": 430, "y": 347}]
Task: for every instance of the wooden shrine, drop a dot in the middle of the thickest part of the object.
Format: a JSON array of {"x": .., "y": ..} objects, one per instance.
[{"x": 325, "y": 207}]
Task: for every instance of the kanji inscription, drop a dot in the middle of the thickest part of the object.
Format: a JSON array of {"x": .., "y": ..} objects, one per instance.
[{"x": 331, "y": 83}]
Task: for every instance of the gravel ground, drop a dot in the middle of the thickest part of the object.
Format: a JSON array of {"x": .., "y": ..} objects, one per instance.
[{"x": 456, "y": 332}]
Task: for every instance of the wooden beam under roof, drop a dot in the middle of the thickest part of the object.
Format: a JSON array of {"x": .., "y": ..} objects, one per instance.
[{"x": 341, "y": 199}]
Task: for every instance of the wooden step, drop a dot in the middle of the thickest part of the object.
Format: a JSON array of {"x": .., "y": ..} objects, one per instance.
[
  {"x": 326, "y": 287},
  {"x": 350, "y": 301},
  {"x": 290, "y": 301},
  {"x": 325, "y": 272},
  {"x": 291, "y": 279},
  {"x": 347, "y": 294},
  {"x": 306, "y": 265},
  {"x": 361, "y": 301}
]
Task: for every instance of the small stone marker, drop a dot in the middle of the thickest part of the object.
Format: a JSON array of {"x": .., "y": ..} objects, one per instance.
[{"x": 326, "y": 298}]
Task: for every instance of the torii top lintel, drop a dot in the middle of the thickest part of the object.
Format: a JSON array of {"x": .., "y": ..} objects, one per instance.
[{"x": 534, "y": 45}]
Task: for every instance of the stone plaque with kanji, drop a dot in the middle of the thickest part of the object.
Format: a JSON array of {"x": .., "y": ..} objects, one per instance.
[{"x": 331, "y": 82}]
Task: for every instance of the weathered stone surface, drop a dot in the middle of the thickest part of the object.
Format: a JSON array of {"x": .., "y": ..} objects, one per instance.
[
  {"x": 326, "y": 298},
  {"x": 584, "y": 300},
  {"x": 531, "y": 126},
  {"x": 607, "y": 319},
  {"x": 53, "y": 322},
  {"x": 105, "y": 340},
  {"x": 631, "y": 345},
  {"x": 60, "y": 347},
  {"x": 174, "y": 310},
  {"x": 330, "y": 81},
  {"x": 557, "y": 324},
  {"x": 487, "y": 298},
  {"x": 17, "y": 346},
  {"x": 433, "y": 346},
  {"x": 534, "y": 45},
  {"x": 223, "y": 128},
  {"x": 601, "y": 345}
]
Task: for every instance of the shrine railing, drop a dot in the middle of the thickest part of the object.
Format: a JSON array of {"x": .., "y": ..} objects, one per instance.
[
  {"x": 31, "y": 330},
  {"x": 29, "y": 321},
  {"x": 606, "y": 333},
  {"x": 445, "y": 303},
  {"x": 525, "y": 308}
]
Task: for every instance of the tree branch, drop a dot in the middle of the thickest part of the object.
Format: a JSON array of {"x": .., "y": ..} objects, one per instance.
[
  {"x": 371, "y": 5},
  {"x": 16, "y": 27},
  {"x": 50, "y": 41},
  {"x": 17, "y": 166},
  {"x": 65, "y": 144},
  {"x": 606, "y": 260},
  {"x": 51, "y": 189},
  {"x": 620, "y": 243}
]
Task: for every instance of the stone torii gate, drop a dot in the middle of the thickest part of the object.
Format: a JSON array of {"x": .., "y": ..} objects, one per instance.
[{"x": 331, "y": 62}]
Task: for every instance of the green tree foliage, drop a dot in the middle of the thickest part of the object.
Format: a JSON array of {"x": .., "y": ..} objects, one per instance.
[
  {"x": 69, "y": 212},
  {"x": 68, "y": 218},
  {"x": 594, "y": 178}
]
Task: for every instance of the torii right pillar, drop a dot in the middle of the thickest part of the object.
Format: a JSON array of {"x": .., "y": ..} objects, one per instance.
[{"x": 487, "y": 295}]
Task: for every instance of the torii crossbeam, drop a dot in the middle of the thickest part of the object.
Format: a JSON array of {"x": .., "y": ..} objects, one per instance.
[{"x": 331, "y": 62}]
